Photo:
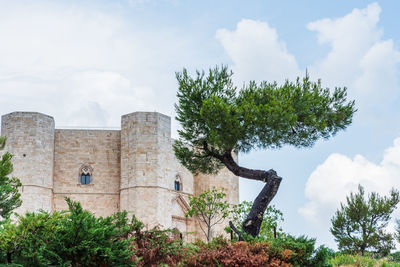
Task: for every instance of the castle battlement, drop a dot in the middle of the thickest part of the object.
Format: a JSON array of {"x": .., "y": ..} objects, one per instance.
[{"x": 132, "y": 169}]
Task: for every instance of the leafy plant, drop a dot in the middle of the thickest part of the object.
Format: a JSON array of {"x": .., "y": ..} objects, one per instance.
[
  {"x": 270, "y": 228},
  {"x": 209, "y": 208}
]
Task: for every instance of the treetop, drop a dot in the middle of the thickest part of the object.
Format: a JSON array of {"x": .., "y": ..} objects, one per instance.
[{"x": 217, "y": 118}]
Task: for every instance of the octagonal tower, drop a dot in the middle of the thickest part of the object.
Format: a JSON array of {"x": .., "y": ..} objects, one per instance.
[{"x": 30, "y": 139}]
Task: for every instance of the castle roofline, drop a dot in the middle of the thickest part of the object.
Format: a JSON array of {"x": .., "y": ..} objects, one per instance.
[
  {"x": 144, "y": 112},
  {"x": 27, "y": 113}
]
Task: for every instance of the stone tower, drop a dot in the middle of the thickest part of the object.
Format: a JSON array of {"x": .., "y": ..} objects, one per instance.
[
  {"x": 145, "y": 143},
  {"x": 30, "y": 138}
]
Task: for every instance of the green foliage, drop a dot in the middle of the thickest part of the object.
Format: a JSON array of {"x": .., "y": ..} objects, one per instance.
[
  {"x": 73, "y": 238},
  {"x": 209, "y": 208},
  {"x": 27, "y": 241},
  {"x": 360, "y": 261},
  {"x": 273, "y": 217},
  {"x": 9, "y": 195},
  {"x": 359, "y": 226},
  {"x": 216, "y": 118},
  {"x": 82, "y": 237},
  {"x": 303, "y": 251},
  {"x": 395, "y": 256}
]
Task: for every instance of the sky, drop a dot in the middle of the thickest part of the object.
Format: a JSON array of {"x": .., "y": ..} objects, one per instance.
[{"x": 86, "y": 63}]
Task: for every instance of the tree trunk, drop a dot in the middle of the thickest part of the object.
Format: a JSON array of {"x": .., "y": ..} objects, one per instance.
[{"x": 252, "y": 224}]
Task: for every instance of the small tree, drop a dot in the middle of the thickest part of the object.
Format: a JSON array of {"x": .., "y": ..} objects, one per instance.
[
  {"x": 209, "y": 208},
  {"x": 9, "y": 195},
  {"x": 360, "y": 224},
  {"x": 270, "y": 228},
  {"x": 219, "y": 121}
]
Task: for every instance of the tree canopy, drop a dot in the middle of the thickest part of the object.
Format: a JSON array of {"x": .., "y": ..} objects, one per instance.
[
  {"x": 218, "y": 120},
  {"x": 360, "y": 223}
]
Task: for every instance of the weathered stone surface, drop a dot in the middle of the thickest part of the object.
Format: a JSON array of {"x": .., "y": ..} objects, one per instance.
[
  {"x": 133, "y": 169},
  {"x": 101, "y": 150},
  {"x": 30, "y": 138}
]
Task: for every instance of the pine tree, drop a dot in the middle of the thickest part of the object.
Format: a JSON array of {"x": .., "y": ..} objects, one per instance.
[
  {"x": 9, "y": 195},
  {"x": 219, "y": 121},
  {"x": 360, "y": 223}
]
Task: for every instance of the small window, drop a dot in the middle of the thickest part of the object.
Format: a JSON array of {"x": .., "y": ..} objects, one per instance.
[
  {"x": 85, "y": 174},
  {"x": 178, "y": 183},
  {"x": 85, "y": 178}
]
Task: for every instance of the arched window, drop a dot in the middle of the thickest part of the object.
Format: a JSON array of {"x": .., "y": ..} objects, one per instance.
[
  {"x": 85, "y": 174},
  {"x": 178, "y": 183}
]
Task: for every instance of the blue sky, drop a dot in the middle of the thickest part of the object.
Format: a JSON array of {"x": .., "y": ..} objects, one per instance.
[{"x": 88, "y": 62}]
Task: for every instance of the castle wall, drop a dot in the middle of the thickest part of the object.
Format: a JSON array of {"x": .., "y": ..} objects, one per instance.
[
  {"x": 101, "y": 150},
  {"x": 30, "y": 138},
  {"x": 133, "y": 169}
]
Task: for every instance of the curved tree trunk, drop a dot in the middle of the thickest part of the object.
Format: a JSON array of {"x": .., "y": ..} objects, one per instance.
[{"x": 252, "y": 224}]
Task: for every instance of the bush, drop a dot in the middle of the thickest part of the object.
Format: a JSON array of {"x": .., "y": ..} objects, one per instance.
[
  {"x": 157, "y": 247},
  {"x": 303, "y": 251},
  {"x": 222, "y": 252},
  {"x": 360, "y": 261},
  {"x": 395, "y": 256},
  {"x": 73, "y": 238}
]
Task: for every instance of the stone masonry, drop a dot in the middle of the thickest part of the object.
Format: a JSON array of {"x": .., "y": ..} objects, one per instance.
[{"x": 132, "y": 169}]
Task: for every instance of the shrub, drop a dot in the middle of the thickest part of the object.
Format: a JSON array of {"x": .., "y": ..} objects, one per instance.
[
  {"x": 395, "y": 256},
  {"x": 224, "y": 253},
  {"x": 360, "y": 261},
  {"x": 303, "y": 251},
  {"x": 73, "y": 238},
  {"x": 157, "y": 247}
]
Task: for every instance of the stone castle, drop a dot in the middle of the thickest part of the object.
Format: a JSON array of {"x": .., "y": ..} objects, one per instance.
[{"x": 132, "y": 169}]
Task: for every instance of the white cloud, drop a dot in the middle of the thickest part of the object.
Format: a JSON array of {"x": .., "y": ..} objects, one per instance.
[
  {"x": 257, "y": 53},
  {"x": 333, "y": 180},
  {"x": 85, "y": 66},
  {"x": 369, "y": 65},
  {"x": 350, "y": 38},
  {"x": 359, "y": 58}
]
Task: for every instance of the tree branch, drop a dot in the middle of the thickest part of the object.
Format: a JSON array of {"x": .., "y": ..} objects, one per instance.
[
  {"x": 252, "y": 224},
  {"x": 236, "y": 231}
]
